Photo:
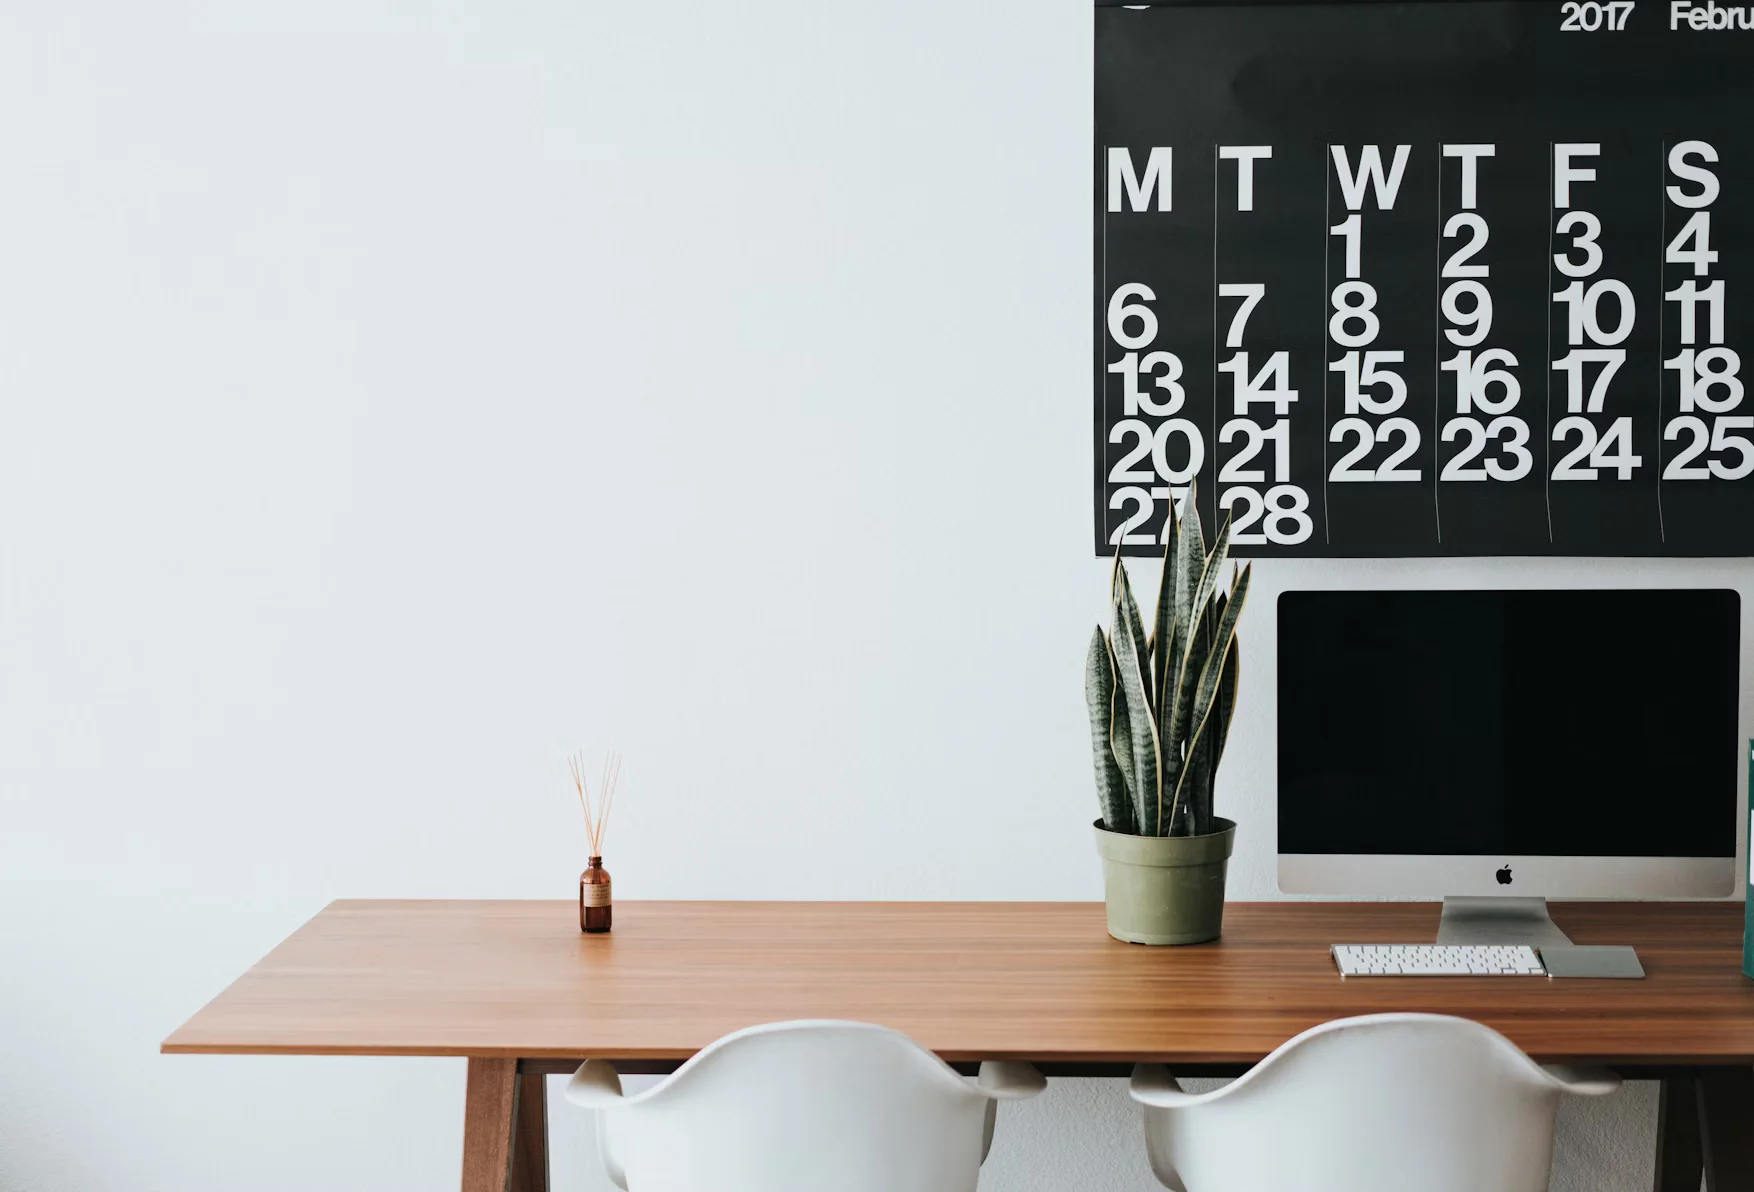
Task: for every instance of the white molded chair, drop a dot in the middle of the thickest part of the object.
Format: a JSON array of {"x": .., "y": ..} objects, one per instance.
[
  {"x": 802, "y": 1107},
  {"x": 1382, "y": 1103}
]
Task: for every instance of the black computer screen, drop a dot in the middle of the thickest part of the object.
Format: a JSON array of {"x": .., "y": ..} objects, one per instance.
[{"x": 1577, "y": 723}]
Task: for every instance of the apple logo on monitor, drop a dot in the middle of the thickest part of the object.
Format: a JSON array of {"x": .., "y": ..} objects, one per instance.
[{"x": 1503, "y": 876}]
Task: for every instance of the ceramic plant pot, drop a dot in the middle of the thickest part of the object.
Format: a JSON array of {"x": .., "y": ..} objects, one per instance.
[{"x": 1165, "y": 889}]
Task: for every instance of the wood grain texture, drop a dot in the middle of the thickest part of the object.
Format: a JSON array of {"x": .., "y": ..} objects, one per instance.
[
  {"x": 1033, "y": 981},
  {"x": 490, "y": 1104},
  {"x": 530, "y": 1134}
]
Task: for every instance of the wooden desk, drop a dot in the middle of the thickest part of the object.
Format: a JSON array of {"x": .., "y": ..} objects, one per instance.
[{"x": 518, "y": 990}]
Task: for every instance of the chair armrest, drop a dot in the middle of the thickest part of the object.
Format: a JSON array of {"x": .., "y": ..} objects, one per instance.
[
  {"x": 1004, "y": 1080},
  {"x": 1582, "y": 1082},
  {"x": 1154, "y": 1084},
  {"x": 596, "y": 1085}
]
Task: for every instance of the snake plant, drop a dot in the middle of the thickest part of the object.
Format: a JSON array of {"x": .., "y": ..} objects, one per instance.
[{"x": 1161, "y": 700}]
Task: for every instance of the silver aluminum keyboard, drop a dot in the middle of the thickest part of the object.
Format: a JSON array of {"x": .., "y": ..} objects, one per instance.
[{"x": 1437, "y": 960}]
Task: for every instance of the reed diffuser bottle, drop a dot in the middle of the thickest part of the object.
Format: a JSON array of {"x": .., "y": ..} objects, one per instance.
[
  {"x": 596, "y": 910},
  {"x": 596, "y": 907}
]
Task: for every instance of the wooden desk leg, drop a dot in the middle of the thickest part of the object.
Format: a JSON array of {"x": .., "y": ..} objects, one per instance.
[
  {"x": 1679, "y": 1159},
  {"x": 530, "y": 1135},
  {"x": 505, "y": 1129},
  {"x": 1726, "y": 1128}
]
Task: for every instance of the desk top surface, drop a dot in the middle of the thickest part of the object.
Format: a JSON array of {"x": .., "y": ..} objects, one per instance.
[{"x": 1034, "y": 981}]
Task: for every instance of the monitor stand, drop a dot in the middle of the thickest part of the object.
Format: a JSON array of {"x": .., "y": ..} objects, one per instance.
[{"x": 1498, "y": 921}]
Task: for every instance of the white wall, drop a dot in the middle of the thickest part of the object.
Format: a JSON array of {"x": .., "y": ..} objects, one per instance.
[{"x": 396, "y": 396}]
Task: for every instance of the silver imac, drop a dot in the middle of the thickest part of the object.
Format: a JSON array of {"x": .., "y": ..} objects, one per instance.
[{"x": 1498, "y": 748}]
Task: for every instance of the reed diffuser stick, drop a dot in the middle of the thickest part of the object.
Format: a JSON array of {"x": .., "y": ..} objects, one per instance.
[{"x": 596, "y": 810}]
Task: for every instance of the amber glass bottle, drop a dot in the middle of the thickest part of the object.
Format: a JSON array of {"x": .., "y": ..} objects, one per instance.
[{"x": 595, "y": 908}]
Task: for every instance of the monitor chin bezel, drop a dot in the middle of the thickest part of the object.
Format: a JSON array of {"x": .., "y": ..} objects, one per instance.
[{"x": 1418, "y": 876}]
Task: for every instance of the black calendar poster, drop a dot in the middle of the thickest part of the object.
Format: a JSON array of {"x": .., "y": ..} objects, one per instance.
[{"x": 1451, "y": 277}]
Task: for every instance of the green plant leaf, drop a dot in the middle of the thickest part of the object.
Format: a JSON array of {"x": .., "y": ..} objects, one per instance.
[
  {"x": 1219, "y": 600},
  {"x": 1120, "y": 721},
  {"x": 1186, "y": 809},
  {"x": 1225, "y": 707},
  {"x": 1163, "y": 622},
  {"x": 1190, "y": 560},
  {"x": 1147, "y": 788},
  {"x": 1176, "y": 714},
  {"x": 1172, "y": 719},
  {"x": 1127, "y": 613},
  {"x": 1190, "y": 569},
  {"x": 1206, "y": 692},
  {"x": 1099, "y": 690},
  {"x": 1223, "y": 710},
  {"x": 1120, "y": 735},
  {"x": 1212, "y": 570},
  {"x": 1211, "y": 625}
]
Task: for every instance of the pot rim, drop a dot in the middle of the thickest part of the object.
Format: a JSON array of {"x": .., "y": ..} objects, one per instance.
[
  {"x": 1167, "y": 852},
  {"x": 1229, "y": 828}
]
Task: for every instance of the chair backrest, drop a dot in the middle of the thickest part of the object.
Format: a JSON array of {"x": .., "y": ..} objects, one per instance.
[
  {"x": 803, "y": 1107},
  {"x": 1383, "y": 1103}
]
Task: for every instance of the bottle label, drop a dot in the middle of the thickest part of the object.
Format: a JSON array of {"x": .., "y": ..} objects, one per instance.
[{"x": 594, "y": 894}]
